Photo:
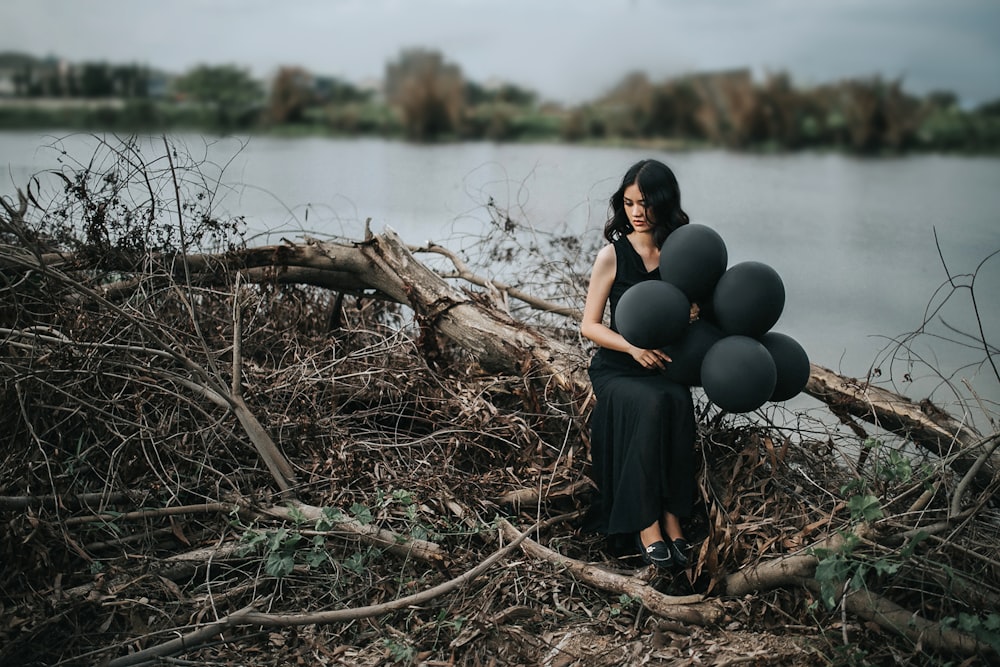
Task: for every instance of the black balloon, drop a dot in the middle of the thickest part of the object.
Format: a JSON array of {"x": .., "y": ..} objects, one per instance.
[
  {"x": 693, "y": 258},
  {"x": 738, "y": 374},
  {"x": 791, "y": 363},
  {"x": 689, "y": 351},
  {"x": 748, "y": 299},
  {"x": 652, "y": 314}
]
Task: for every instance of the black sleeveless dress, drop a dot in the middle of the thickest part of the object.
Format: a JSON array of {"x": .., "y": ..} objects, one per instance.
[{"x": 642, "y": 432}]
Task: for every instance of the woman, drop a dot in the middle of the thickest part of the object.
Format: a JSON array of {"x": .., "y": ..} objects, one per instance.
[{"x": 643, "y": 426}]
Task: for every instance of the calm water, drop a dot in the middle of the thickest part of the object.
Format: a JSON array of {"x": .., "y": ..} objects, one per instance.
[{"x": 853, "y": 239}]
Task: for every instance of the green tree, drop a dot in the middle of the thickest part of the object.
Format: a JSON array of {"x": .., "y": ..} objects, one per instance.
[
  {"x": 95, "y": 80},
  {"x": 991, "y": 108},
  {"x": 506, "y": 93},
  {"x": 230, "y": 92},
  {"x": 331, "y": 90},
  {"x": 130, "y": 81}
]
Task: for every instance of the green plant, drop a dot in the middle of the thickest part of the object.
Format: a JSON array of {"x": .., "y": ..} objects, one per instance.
[
  {"x": 864, "y": 508},
  {"x": 985, "y": 628},
  {"x": 442, "y": 621},
  {"x": 889, "y": 466},
  {"x": 356, "y": 562},
  {"x": 624, "y": 602},
  {"x": 399, "y": 503},
  {"x": 329, "y": 517},
  {"x": 285, "y": 547},
  {"x": 849, "y": 655},
  {"x": 837, "y": 569},
  {"x": 361, "y": 513},
  {"x": 281, "y": 546},
  {"x": 399, "y": 651},
  {"x": 843, "y": 570}
]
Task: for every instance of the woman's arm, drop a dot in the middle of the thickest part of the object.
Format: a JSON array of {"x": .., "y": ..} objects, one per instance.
[{"x": 593, "y": 327}]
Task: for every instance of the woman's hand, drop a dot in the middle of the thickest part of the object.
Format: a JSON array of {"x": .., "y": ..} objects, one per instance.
[{"x": 650, "y": 358}]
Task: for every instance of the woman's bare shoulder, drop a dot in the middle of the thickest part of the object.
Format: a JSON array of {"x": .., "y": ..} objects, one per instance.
[{"x": 606, "y": 255}]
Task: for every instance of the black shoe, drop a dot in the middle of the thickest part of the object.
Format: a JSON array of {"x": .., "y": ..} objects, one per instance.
[
  {"x": 679, "y": 552},
  {"x": 657, "y": 553}
]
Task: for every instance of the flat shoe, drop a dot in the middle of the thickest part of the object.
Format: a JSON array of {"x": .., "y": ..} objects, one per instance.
[
  {"x": 679, "y": 552},
  {"x": 658, "y": 553}
]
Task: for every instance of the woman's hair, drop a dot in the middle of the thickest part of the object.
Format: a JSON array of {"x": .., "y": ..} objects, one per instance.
[{"x": 662, "y": 195}]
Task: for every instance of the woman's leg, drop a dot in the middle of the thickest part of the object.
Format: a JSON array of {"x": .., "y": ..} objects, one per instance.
[
  {"x": 651, "y": 534},
  {"x": 654, "y": 549},
  {"x": 672, "y": 525},
  {"x": 675, "y": 538}
]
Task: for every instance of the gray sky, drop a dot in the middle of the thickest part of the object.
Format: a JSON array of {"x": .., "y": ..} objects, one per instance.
[{"x": 566, "y": 50}]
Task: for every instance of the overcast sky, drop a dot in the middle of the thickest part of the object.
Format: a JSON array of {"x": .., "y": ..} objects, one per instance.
[{"x": 565, "y": 50}]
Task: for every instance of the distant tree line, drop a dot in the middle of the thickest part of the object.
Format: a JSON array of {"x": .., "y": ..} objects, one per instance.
[
  {"x": 26, "y": 77},
  {"x": 730, "y": 109},
  {"x": 423, "y": 97}
]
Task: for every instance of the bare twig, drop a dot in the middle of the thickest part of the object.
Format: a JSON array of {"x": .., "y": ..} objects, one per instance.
[
  {"x": 463, "y": 271},
  {"x": 963, "y": 485}
]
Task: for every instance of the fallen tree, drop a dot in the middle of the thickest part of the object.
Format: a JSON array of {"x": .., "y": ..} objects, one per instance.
[{"x": 283, "y": 429}]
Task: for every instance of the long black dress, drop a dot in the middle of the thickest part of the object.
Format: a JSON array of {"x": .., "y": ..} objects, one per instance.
[{"x": 642, "y": 432}]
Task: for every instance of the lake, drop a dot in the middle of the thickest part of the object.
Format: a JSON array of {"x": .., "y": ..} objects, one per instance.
[{"x": 853, "y": 239}]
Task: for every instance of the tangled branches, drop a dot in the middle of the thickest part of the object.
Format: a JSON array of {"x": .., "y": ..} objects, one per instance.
[{"x": 326, "y": 453}]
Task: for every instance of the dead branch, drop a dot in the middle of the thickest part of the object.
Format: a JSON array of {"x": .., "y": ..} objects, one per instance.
[
  {"x": 385, "y": 265},
  {"x": 380, "y": 537},
  {"x": 207, "y": 508},
  {"x": 798, "y": 570},
  {"x": 887, "y": 614},
  {"x": 788, "y": 570},
  {"x": 785, "y": 571},
  {"x": 970, "y": 474},
  {"x": 688, "y": 609},
  {"x": 921, "y": 423},
  {"x": 79, "y": 500},
  {"x": 463, "y": 271},
  {"x": 201, "y": 385},
  {"x": 527, "y": 498},
  {"x": 183, "y": 565}
]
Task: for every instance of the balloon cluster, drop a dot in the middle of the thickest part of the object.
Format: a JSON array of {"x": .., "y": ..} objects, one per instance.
[{"x": 730, "y": 351}]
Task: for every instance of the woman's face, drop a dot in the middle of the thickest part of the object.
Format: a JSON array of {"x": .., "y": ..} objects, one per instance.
[{"x": 635, "y": 209}]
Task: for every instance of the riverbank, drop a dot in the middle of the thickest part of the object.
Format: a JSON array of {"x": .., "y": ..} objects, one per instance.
[{"x": 944, "y": 131}]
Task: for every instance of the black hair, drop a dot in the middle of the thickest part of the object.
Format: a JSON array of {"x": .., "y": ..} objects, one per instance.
[{"x": 662, "y": 195}]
